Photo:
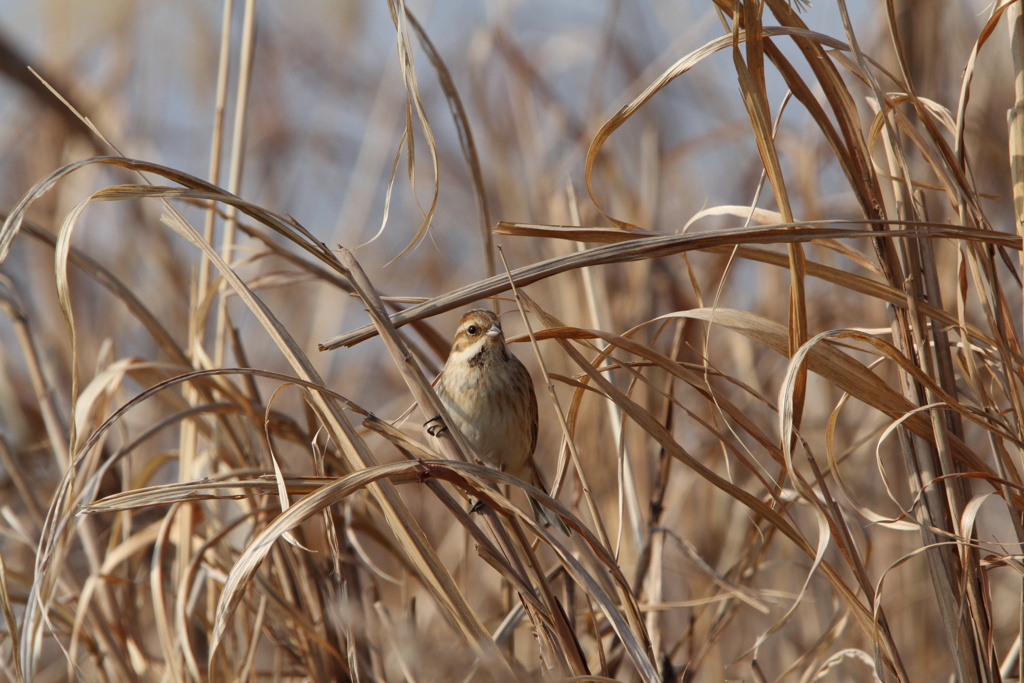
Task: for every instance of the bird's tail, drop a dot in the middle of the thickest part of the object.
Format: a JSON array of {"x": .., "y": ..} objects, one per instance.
[{"x": 543, "y": 515}]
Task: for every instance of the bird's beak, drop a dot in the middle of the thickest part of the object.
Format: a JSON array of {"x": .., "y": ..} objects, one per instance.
[{"x": 494, "y": 331}]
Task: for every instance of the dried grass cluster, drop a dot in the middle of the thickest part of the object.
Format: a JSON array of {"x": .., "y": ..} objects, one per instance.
[{"x": 782, "y": 415}]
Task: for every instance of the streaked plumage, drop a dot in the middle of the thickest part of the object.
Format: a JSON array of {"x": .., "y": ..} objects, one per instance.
[{"x": 489, "y": 394}]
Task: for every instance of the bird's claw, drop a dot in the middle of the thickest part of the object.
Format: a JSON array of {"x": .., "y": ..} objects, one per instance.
[
  {"x": 478, "y": 506},
  {"x": 436, "y": 425}
]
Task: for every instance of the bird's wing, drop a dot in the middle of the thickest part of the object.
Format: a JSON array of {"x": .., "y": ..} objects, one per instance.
[{"x": 533, "y": 414}]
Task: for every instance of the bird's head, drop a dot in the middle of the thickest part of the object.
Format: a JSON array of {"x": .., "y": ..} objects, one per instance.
[{"x": 479, "y": 330}]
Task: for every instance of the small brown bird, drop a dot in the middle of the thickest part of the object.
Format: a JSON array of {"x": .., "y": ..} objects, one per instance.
[{"x": 489, "y": 394}]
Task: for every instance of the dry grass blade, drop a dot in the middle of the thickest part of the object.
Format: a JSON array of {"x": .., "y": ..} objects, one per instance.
[
  {"x": 791, "y": 272},
  {"x": 106, "y": 278},
  {"x": 656, "y": 431},
  {"x": 170, "y": 494},
  {"x": 844, "y": 371},
  {"x": 755, "y": 98},
  {"x": 466, "y": 143},
  {"x": 426, "y": 396},
  {"x": 653, "y": 247},
  {"x": 407, "y": 64},
  {"x": 846, "y": 280},
  {"x": 342, "y": 432},
  {"x": 11, "y": 622},
  {"x": 676, "y": 70},
  {"x": 251, "y": 558},
  {"x": 337, "y": 424}
]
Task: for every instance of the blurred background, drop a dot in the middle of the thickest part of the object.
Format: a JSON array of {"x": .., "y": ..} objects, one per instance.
[
  {"x": 327, "y": 111},
  {"x": 323, "y": 138}
]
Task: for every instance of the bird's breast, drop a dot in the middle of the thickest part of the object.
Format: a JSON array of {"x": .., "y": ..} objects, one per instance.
[{"x": 485, "y": 404}]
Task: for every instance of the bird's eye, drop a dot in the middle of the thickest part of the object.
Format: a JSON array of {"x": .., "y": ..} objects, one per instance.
[{"x": 472, "y": 329}]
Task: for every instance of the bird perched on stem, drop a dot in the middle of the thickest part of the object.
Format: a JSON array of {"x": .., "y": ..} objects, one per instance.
[{"x": 489, "y": 395}]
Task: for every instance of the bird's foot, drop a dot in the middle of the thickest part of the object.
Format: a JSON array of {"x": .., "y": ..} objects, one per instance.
[
  {"x": 478, "y": 506},
  {"x": 436, "y": 425}
]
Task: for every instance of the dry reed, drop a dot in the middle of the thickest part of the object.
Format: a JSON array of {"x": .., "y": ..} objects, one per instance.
[{"x": 782, "y": 417}]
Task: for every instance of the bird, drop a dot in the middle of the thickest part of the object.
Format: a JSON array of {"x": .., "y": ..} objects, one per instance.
[{"x": 489, "y": 395}]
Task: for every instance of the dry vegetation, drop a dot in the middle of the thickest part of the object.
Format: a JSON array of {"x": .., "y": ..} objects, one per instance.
[{"x": 771, "y": 274}]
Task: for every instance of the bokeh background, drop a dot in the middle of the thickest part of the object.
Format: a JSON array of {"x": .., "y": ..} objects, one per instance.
[{"x": 324, "y": 140}]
